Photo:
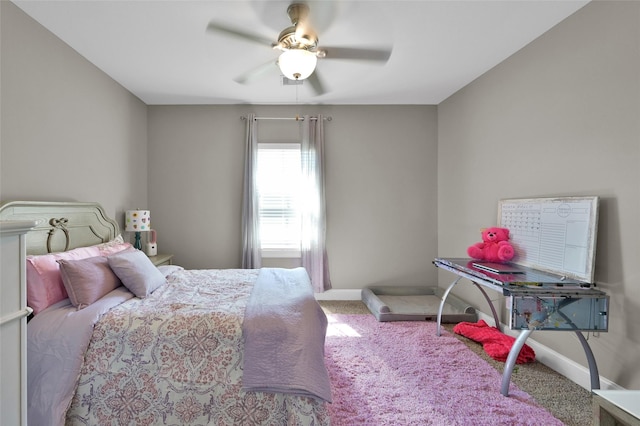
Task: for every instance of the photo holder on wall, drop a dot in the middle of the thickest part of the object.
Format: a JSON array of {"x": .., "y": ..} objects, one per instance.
[{"x": 152, "y": 245}]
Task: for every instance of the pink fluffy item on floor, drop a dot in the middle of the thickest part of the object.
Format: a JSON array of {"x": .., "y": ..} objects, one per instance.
[
  {"x": 495, "y": 246},
  {"x": 495, "y": 343}
]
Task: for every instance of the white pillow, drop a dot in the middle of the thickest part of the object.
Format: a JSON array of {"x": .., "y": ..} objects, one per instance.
[
  {"x": 167, "y": 270},
  {"x": 136, "y": 272}
]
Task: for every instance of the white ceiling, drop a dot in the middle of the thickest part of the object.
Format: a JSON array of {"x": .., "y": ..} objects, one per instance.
[{"x": 162, "y": 53}]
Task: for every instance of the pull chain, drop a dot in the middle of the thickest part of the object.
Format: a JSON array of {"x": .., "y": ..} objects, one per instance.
[{"x": 297, "y": 116}]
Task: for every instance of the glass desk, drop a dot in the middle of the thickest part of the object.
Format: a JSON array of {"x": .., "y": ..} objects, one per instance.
[{"x": 539, "y": 301}]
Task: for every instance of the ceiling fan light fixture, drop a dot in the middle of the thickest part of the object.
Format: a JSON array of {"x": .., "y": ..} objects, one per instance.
[{"x": 297, "y": 64}]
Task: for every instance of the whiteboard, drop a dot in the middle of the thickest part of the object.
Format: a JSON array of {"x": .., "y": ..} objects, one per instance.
[{"x": 556, "y": 235}]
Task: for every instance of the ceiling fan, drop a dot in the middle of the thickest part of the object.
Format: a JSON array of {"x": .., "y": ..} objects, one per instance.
[{"x": 299, "y": 49}]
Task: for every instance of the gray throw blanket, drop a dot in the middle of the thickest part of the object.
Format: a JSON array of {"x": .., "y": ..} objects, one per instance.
[{"x": 284, "y": 330}]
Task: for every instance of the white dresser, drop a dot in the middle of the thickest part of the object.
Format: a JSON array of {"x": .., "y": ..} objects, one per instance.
[{"x": 13, "y": 322}]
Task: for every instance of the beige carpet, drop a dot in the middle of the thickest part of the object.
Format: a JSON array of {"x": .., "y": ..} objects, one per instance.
[{"x": 566, "y": 400}]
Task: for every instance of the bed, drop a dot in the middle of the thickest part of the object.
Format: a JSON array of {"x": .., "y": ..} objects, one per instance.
[{"x": 116, "y": 340}]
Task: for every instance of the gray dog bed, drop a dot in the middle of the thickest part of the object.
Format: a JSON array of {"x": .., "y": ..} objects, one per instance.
[{"x": 415, "y": 304}]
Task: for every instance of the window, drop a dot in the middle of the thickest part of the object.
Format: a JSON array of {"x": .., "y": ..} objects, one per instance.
[{"x": 279, "y": 183}]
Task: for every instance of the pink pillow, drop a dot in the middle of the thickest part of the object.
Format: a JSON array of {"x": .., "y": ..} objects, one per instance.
[
  {"x": 44, "y": 281},
  {"x": 114, "y": 246},
  {"x": 113, "y": 249},
  {"x": 87, "y": 280}
]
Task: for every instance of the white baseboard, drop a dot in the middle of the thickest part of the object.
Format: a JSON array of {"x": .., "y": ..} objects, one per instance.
[
  {"x": 339, "y": 294},
  {"x": 558, "y": 362}
]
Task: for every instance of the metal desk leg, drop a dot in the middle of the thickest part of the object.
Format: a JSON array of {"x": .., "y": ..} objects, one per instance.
[
  {"x": 444, "y": 298},
  {"x": 593, "y": 367},
  {"x": 493, "y": 309},
  {"x": 511, "y": 360}
]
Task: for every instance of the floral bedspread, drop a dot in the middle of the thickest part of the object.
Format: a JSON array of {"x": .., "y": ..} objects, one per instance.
[{"x": 176, "y": 358}]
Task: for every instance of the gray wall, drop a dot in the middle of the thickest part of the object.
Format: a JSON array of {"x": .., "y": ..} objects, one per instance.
[
  {"x": 380, "y": 187},
  {"x": 68, "y": 131},
  {"x": 561, "y": 117}
]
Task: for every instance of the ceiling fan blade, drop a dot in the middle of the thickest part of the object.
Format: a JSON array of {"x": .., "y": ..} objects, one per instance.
[
  {"x": 354, "y": 53},
  {"x": 305, "y": 34},
  {"x": 316, "y": 83},
  {"x": 256, "y": 72},
  {"x": 221, "y": 28}
]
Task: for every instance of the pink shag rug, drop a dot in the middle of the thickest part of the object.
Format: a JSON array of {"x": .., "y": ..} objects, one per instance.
[{"x": 401, "y": 373}]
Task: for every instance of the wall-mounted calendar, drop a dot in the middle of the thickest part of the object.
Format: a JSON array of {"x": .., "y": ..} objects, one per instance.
[{"x": 556, "y": 235}]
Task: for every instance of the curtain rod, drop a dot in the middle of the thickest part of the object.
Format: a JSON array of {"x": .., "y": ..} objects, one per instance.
[{"x": 296, "y": 118}]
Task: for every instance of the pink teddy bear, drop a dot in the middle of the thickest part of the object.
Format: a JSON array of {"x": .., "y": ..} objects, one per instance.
[{"x": 494, "y": 247}]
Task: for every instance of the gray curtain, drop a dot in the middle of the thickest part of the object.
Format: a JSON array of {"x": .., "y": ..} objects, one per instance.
[
  {"x": 314, "y": 254},
  {"x": 250, "y": 218}
]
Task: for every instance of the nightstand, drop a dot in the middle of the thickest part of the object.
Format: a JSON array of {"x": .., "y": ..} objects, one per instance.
[
  {"x": 616, "y": 407},
  {"x": 161, "y": 259}
]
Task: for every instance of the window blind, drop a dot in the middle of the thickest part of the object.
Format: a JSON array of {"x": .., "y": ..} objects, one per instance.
[{"x": 279, "y": 180}]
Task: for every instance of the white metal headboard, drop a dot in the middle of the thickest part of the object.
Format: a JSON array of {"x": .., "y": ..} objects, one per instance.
[{"x": 61, "y": 226}]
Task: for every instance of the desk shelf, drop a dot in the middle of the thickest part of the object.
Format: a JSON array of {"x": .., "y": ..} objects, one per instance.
[{"x": 584, "y": 312}]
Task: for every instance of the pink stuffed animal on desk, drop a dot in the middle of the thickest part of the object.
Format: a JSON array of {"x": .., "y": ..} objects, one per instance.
[{"x": 494, "y": 247}]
